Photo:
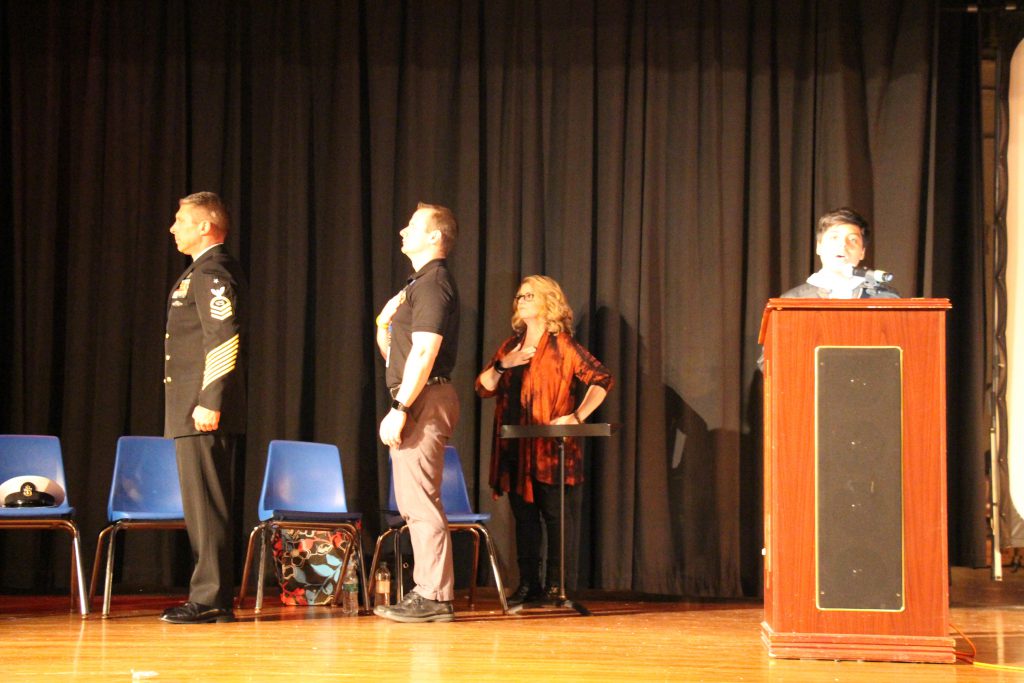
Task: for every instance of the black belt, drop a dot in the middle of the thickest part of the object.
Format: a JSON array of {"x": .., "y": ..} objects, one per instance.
[{"x": 433, "y": 380}]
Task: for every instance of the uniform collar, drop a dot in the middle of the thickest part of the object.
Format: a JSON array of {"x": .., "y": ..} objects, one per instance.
[{"x": 206, "y": 251}]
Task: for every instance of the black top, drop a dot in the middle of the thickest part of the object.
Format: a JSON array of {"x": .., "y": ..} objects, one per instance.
[{"x": 431, "y": 305}]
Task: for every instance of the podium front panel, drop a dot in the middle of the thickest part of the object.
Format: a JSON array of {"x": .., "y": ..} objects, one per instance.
[{"x": 859, "y": 478}]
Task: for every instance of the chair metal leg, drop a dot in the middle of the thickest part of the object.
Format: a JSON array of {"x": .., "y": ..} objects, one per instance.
[
  {"x": 476, "y": 565},
  {"x": 248, "y": 563},
  {"x": 108, "y": 582},
  {"x": 349, "y": 556},
  {"x": 96, "y": 562},
  {"x": 492, "y": 551},
  {"x": 362, "y": 570},
  {"x": 79, "y": 578},
  {"x": 262, "y": 569},
  {"x": 73, "y": 582},
  {"x": 375, "y": 563},
  {"x": 400, "y": 592}
]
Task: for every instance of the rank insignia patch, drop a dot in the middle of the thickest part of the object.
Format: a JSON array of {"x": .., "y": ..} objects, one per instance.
[{"x": 220, "y": 305}]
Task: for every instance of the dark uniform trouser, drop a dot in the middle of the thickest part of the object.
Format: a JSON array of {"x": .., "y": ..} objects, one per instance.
[{"x": 204, "y": 468}]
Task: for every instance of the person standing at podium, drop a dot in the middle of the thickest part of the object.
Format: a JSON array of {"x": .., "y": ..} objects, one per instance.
[
  {"x": 533, "y": 376},
  {"x": 841, "y": 243}
]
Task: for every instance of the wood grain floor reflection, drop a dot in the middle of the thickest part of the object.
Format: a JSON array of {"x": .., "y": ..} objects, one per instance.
[{"x": 625, "y": 639}]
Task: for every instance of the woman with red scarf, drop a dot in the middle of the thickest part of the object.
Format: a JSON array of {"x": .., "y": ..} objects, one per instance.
[{"x": 533, "y": 375}]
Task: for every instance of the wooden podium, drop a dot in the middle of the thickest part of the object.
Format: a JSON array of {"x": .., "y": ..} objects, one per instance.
[{"x": 855, "y": 561}]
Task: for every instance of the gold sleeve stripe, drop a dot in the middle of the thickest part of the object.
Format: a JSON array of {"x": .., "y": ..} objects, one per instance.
[
  {"x": 214, "y": 373},
  {"x": 220, "y": 361},
  {"x": 227, "y": 351}
]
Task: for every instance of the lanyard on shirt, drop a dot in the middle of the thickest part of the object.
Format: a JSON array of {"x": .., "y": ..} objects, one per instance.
[{"x": 402, "y": 296}]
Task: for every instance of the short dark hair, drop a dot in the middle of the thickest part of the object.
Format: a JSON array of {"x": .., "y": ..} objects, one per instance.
[
  {"x": 843, "y": 216},
  {"x": 219, "y": 215},
  {"x": 444, "y": 221}
]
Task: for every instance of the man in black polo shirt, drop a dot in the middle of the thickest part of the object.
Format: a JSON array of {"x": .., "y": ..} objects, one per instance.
[{"x": 417, "y": 333}]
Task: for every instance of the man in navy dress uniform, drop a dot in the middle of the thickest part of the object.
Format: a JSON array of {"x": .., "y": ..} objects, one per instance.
[{"x": 204, "y": 387}]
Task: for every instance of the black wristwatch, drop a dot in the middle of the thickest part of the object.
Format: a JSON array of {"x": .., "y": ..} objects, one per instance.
[
  {"x": 498, "y": 367},
  {"x": 399, "y": 406}
]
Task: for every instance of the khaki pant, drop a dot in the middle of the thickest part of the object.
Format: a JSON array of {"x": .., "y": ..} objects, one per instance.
[{"x": 418, "y": 468}]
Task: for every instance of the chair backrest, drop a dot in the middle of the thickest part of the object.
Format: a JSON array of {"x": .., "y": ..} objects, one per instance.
[
  {"x": 22, "y": 454},
  {"x": 392, "y": 501},
  {"x": 145, "y": 479},
  {"x": 454, "y": 494},
  {"x": 302, "y": 476}
]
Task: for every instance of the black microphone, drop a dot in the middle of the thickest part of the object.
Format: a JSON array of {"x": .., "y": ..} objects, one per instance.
[{"x": 876, "y": 276}]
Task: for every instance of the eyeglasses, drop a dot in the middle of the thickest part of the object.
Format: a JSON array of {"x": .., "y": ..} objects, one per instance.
[{"x": 528, "y": 296}]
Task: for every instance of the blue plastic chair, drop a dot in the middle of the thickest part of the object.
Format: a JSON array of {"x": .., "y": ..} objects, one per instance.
[
  {"x": 303, "y": 489},
  {"x": 144, "y": 494},
  {"x": 22, "y": 455},
  {"x": 461, "y": 517}
]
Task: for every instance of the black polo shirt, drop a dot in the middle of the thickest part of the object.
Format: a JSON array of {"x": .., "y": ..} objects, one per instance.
[{"x": 431, "y": 305}]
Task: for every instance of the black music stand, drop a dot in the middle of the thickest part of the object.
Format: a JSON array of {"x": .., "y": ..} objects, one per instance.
[{"x": 560, "y": 432}]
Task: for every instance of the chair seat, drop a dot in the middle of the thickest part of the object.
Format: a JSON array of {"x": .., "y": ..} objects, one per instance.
[
  {"x": 61, "y": 512},
  {"x": 469, "y": 518},
  {"x": 394, "y": 519},
  {"x": 146, "y": 516},
  {"x": 308, "y": 516}
]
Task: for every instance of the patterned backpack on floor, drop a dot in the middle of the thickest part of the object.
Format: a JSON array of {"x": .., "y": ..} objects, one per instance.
[{"x": 307, "y": 564}]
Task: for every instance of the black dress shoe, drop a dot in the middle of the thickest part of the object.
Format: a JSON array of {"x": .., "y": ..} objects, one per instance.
[
  {"x": 194, "y": 613},
  {"x": 526, "y": 593}
]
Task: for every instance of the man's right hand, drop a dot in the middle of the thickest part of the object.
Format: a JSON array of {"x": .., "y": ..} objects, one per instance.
[
  {"x": 206, "y": 420},
  {"x": 388, "y": 312}
]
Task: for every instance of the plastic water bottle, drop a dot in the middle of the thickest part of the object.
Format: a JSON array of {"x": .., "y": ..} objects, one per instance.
[
  {"x": 350, "y": 591},
  {"x": 382, "y": 585}
]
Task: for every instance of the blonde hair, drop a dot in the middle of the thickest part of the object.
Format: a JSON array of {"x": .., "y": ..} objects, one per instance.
[{"x": 555, "y": 308}]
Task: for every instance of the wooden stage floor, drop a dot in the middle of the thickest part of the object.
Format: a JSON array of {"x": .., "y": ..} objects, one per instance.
[{"x": 625, "y": 639}]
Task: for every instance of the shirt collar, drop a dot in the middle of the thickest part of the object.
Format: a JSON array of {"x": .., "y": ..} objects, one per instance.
[
  {"x": 839, "y": 287},
  {"x": 427, "y": 267}
]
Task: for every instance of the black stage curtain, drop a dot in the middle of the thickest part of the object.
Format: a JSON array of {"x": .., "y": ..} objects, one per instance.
[{"x": 665, "y": 161}]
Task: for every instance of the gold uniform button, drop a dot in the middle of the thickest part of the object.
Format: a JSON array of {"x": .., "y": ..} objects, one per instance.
[
  {"x": 167, "y": 335},
  {"x": 167, "y": 357},
  {"x": 167, "y": 380}
]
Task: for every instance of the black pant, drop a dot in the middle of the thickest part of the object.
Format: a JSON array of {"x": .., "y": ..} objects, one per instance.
[
  {"x": 205, "y": 465},
  {"x": 544, "y": 510}
]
